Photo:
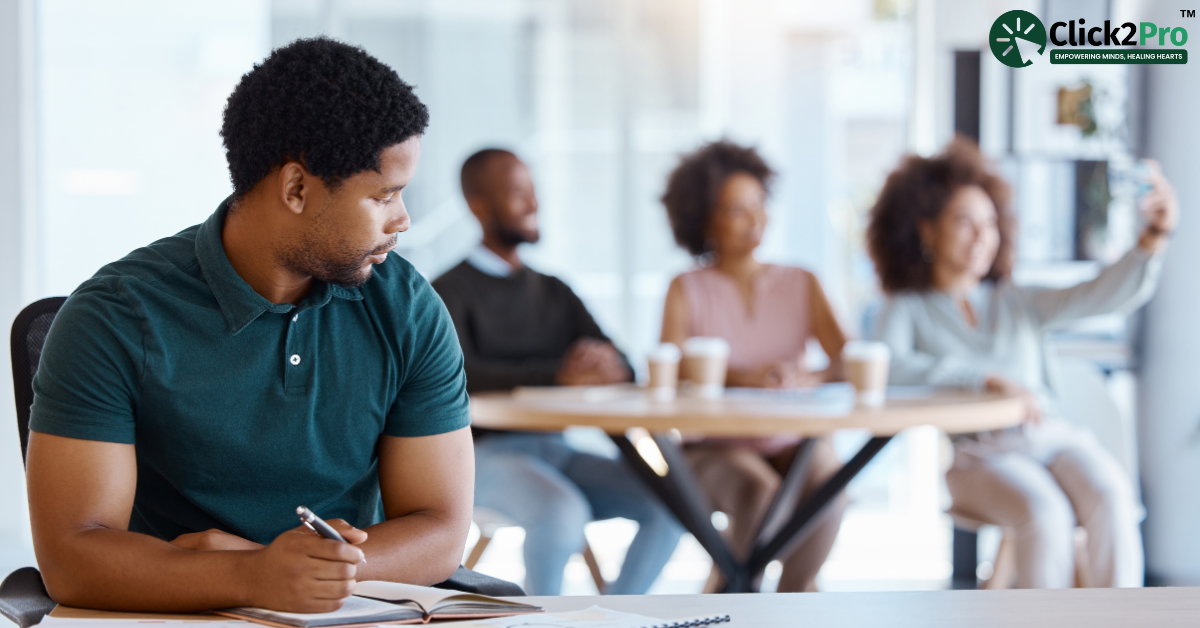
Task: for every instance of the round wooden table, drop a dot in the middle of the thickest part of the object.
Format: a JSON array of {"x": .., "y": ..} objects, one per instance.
[
  {"x": 744, "y": 412},
  {"x": 660, "y": 463}
]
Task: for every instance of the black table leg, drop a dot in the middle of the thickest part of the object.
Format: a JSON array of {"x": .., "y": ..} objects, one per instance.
[
  {"x": 799, "y": 525},
  {"x": 788, "y": 496},
  {"x": 681, "y": 493}
]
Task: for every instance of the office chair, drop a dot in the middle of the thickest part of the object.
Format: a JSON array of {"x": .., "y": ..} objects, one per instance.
[
  {"x": 490, "y": 522},
  {"x": 23, "y": 596}
]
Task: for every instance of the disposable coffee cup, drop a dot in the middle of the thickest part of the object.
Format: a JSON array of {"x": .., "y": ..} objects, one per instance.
[
  {"x": 866, "y": 365},
  {"x": 663, "y": 369},
  {"x": 703, "y": 366}
]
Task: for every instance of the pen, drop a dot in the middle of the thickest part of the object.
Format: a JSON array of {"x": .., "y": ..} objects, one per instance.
[{"x": 318, "y": 525}]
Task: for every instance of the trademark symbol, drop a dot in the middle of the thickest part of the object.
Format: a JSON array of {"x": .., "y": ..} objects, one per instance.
[{"x": 1187, "y": 13}]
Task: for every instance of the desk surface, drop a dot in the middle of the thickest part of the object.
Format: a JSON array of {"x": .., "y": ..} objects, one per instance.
[
  {"x": 1089, "y": 608},
  {"x": 744, "y": 412}
]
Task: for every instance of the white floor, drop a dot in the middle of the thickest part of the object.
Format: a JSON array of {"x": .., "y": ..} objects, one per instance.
[{"x": 874, "y": 552}]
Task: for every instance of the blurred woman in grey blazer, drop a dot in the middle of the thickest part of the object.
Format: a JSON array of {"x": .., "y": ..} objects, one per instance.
[{"x": 942, "y": 236}]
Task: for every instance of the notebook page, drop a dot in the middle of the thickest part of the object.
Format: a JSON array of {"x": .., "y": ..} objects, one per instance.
[
  {"x": 353, "y": 610},
  {"x": 428, "y": 597}
]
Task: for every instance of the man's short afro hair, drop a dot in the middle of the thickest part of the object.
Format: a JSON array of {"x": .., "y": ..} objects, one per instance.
[{"x": 326, "y": 104}]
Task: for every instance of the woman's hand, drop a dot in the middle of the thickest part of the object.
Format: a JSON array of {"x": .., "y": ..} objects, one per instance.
[
  {"x": 781, "y": 375},
  {"x": 1160, "y": 210},
  {"x": 1004, "y": 386}
]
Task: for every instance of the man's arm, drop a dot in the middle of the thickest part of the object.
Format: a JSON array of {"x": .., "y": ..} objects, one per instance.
[
  {"x": 489, "y": 373},
  {"x": 80, "y": 502},
  {"x": 586, "y": 327},
  {"x": 428, "y": 485},
  {"x": 496, "y": 374}
]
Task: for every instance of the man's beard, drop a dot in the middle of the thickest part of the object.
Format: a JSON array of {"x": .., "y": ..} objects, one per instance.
[
  {"x": 512, "y": 237},
  {"x": 344, "y": 266}
]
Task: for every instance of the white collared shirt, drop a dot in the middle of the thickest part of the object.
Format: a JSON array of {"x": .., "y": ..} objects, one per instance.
[{"x": 487, "y": 262}]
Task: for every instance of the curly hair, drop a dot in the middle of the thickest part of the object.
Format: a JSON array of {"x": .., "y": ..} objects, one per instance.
[
  {"x": 326, "y": 104},
  {"x": 695, "y": 184},
  {"x": 918, "y": 191}
]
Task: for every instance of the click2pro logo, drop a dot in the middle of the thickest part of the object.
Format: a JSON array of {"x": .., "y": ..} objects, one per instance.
[{"x": 1017, "y": 37}]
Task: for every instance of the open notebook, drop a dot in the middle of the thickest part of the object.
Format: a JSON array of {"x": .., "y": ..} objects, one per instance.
[{"x": 390, "y": 603}]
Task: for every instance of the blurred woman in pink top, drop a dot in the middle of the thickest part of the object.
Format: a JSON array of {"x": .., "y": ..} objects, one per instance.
[{"x": 715, "y": 201}]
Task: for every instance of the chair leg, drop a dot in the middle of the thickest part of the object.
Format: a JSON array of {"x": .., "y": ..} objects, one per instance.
[
  {"x": 477, "y": 551},
  {"x": 965, "y": 559},
  {"x": 594, "y": 567},
  {"x": 1004, "y": 568},
  {"x": 1082, "y": 560}
]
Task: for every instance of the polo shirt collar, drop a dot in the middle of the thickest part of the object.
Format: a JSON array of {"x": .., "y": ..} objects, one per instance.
[{"x": 240, "y": 304}]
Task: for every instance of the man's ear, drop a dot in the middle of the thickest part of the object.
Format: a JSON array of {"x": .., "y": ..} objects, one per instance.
[
  {"x": 480, "y": 208},
  {"x": 294, "y": 186}
]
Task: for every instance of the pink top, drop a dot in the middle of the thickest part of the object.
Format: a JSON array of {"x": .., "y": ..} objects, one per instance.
[{"x": 776, "y": 329}]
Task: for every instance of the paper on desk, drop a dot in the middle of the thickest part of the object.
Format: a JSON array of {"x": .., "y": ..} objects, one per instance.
[
  {"x": 594, "y": 617},
  {"x": 828, "y": 399},
  {"x": 218, "y": 622},
  {"x": 585, "y": 394}
]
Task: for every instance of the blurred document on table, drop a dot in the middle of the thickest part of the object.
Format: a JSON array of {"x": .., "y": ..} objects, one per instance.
[{"x": 594, "y": 617}]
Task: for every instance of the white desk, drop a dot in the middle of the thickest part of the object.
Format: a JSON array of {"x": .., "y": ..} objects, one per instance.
[{"x": 1085, "y": 608}]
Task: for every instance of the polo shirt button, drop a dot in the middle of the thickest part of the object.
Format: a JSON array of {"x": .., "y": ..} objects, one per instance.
[
  {"x": 295, "y": 317},
  {"x": 295, "y": 360}
]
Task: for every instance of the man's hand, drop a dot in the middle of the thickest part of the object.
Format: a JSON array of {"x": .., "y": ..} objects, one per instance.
[
  {"x": 213, "y": 539},
  {"x": 1004, "y": 386},
  {"x": 591, "y": 362},
  {"x": 81, "y": 496},
  {"x": 300, "y": 572}
]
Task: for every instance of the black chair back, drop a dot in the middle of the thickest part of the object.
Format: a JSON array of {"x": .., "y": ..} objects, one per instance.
[{"x": 28, "y": 335}]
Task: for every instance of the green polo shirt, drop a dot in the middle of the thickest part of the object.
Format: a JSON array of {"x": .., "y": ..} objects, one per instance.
[{"x": 240, "y": 409}]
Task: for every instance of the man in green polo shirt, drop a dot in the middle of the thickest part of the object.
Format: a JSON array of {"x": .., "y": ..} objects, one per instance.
[{"x": 193, "y": 394}]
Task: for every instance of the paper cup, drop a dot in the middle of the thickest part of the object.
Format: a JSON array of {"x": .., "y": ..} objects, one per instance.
[
  {"x": 703, "y": 366},
  {"x": 866, "y": 365},
  {"x": 663, "y": 370}
]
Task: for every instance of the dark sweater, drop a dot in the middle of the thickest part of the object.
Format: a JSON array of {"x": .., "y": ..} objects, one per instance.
[{"x": 513, "y": 330}]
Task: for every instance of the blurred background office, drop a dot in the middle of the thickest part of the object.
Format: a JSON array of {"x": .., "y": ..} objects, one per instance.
[{"x": 108, "y": 140}]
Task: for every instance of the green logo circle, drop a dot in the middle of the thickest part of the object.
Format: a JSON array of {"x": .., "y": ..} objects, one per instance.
[{"x": 1015, "y": 38}]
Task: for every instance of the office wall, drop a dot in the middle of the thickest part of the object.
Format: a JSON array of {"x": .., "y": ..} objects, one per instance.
[
  {"x": 1169, "y": 431},
  {"x": 130, "y": 97},
  {"x": 15, "y": 197},
  {"x": 109, "y": 115}
]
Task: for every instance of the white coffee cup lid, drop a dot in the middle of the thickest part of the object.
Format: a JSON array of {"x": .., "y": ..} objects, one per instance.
[
  {"x": 701, "y": 346},
  {"x": 665, "y": 352},
  {"x": 866, "y": 350}
]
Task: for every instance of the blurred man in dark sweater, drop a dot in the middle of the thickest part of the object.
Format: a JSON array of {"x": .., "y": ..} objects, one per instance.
[{"x": 518, "y": 327}]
